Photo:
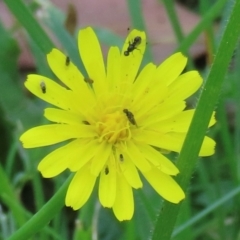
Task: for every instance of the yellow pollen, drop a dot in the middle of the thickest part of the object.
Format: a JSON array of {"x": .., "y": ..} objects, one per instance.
[{"x": 114, "y": 127}]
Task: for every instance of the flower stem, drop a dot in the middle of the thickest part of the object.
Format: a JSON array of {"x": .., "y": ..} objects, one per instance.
[{"x": 208, "y": 99}]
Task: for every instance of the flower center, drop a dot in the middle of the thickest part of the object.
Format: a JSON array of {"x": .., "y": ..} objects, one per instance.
[{"x": 114, "y": 127}]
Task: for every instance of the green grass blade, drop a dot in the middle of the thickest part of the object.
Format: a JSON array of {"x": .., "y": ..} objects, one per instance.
[
  {"x": 25, "y": 17},
  {"x": 6, "y": 190},
  {"x": 172, "y": 15},
  {"x": 208, "y": 99},
  {"x": 55, "y": 22},
  {"x": 202, "y": 25},
  {"x": 136, "y": 14},
  {"x": 175, "y": 23},
  {"x": 206, "y": 211},
  {"x": 43, "y": 216}
]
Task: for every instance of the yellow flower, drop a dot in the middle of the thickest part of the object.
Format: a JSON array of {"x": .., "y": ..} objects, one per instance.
[{"x": 120, "y": 122}]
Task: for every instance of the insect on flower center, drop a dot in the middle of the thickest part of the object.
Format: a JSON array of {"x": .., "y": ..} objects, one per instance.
[{"x": 114, "y": 127}]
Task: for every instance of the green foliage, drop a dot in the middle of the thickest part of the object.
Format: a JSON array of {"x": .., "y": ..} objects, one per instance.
[{"x": 212, "y": 208}]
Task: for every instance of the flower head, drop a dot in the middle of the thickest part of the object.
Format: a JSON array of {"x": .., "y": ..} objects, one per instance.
[{"x": 119, "y": 122}]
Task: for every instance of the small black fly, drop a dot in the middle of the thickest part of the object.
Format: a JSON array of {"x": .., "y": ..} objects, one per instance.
[
  {"x": 43, "y": 87},
  {"x": 67, "y": 62},
  {"x": 130, "y": 116}
]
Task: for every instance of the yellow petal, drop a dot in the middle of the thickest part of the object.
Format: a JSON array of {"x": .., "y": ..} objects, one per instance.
[
  {"x": 80, "y": 188},
  {"x": 71, "y": 77},
  {"x": 168, "y": 108},
  {"x": 143, "y": 81},
  {"x": 113, "y": 68},
  {"x": 140, "y": 84},
  {"x": 58, "y": 160},
  {"x": 102, "y": 154},
  {"x": 208, "y": 147},
  {"x": 171, "y": 68},
  {"x": 212, "y": 120},
  {"x": 107, "y": 184},
  {"x": 153, "y": 95},
  {"x": 129, "y": 171},
  {"x": 172, "y": 141},
  {"x": 178, "y": 123},
  {"x": 91, "y": 54},
  {"x": 164, "y": 185},
  {"x": 83, "y": 154},
  {"x": 136, "y": 157},
  {"x": 66, "y": 71},
  {"x": 168, "y": 141},
  {"x": 130, "y": 64},
  {"x": 123, "y": 207},
  {"x": 148, "y": 91},
  {"x": 185, "y": 85},
  {"x": 62, "y": 116},
  {"x": 157, "y": 159},
  {"x": 54, "y": 93},
  {"x": 54, "y": 133}
]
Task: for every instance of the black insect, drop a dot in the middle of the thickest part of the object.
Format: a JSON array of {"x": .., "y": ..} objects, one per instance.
[
  {"x": 133, "y": 45},
  {"x": 121, "y": 157},
  {"x": 106, "y": 171},
  {"x": 85, "y": 122},
  {"x": 67, "y": 62},
  {"x": 88, "y": 80},
  {"x": 130, "y": 116},
  {"x": 43, "y": 87}
]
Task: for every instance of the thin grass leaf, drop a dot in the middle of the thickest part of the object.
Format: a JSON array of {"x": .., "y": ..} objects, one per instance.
[
  {"x": 201, "y": 26},
  {"x": 206, "y": 211},
  {"x": 208, "y": 99},
  {"x": 172, "y": 15},
  {"x": 43, "y": 216},
  {"x": 25, "y": 17}
]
